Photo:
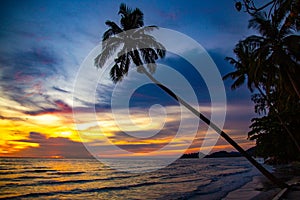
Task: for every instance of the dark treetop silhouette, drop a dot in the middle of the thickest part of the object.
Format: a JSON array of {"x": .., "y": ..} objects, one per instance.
[
  {"x": 270, "y": 62},
  {"x": 246, "y": 71},
  {"x": 278, "y": 42},
  {"x": 116, "y": 36}
]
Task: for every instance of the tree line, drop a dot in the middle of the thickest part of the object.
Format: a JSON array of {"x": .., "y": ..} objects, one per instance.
[{"x": 269, "y": 64}]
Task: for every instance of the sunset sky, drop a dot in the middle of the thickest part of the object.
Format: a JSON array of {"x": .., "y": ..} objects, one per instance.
[{"x": 43, "y": 44}]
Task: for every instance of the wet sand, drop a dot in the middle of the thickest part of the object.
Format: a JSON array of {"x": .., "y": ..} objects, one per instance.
[{"x": 261, "y": 189}]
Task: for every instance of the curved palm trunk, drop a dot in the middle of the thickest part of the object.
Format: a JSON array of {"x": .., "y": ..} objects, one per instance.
[
  {"x": 279, "y": 118},
  {"x": 266, "y": 173}
]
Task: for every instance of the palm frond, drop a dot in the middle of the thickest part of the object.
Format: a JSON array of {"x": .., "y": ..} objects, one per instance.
[
  {"x": 291, "y": 44},
  {"x": 254, "y": 40},
  {"x": 260, "y": 22},
  {"x": 143, "y": 30},
  {"x": 135, "y": 57},
  {"x": 124, "y": 10},
  {"x": 238, "y": 82},
  {"x": 231, "y": 75},
  {"x": 137, "y": 17},
  {"x": 283, "y": 7},
  {"x": 114, "y": 29},
  {"x": 107, "y": 34},
  {"x": 232, "y": 61},
  {"x": 116, "y": 73},
  {"x": 124, "y": 60},
  {"x": 109, "y": 47},
  {"x": 148, "y": 41}
]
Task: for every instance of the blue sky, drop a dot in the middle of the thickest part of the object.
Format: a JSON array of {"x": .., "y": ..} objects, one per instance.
[{"x": 43, "y": 44}]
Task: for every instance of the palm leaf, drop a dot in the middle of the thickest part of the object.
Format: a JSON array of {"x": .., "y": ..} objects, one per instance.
[
  {"x": 137, "y": 18},
  {"x": 114, "y": 29},
  {"x": 135, "y": 46},
  {"x": 260, "y": 22},
  {"x": 124, "y": 10},
  {"x": 109, "y": 47}
]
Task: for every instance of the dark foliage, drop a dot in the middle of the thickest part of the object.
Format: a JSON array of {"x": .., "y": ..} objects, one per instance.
[
  {"x": 269, "y": 63},
  {"x": 132, "y": 42}
]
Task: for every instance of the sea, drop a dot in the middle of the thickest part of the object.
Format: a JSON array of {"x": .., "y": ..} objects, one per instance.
[{"x": 207, "y": 178}]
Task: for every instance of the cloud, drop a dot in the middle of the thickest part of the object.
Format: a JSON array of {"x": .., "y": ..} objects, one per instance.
[
  {"x": 11, "y": 118},
  {"x": 36, "y": 61},
  {"x": 142, "y": 148},
  {"x": 143, "y": 141},
  {"x": 60, "y": 107},
  {"x": 25, "y": 74},
  {"x": 60, "y": 90},
  {"x": 50, "y": 147}
]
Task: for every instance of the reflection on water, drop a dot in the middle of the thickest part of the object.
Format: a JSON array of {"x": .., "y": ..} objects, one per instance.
[{"x": 90, "y": 179}]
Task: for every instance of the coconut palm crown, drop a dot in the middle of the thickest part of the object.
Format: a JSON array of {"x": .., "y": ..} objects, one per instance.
[{"x": 132, "y": 42}]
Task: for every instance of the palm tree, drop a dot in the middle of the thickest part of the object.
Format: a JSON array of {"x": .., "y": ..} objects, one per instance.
[
  {"x": 244, "y": 66},
  {"x": 279, "y": 46},
  {"x": 253, "y": 70},
  {"x": 137, "y": 46},
  {"x": 274, "y": 60},
  {"x": 142, "y": 49}
]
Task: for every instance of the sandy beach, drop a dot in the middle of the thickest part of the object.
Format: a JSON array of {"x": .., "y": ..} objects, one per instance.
[
  {"x": 258, "y": 188},
  {"x": 261, "y": 189}
]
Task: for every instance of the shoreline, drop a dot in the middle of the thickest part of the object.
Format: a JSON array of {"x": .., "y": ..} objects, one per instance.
[{"x": 260, "y": 188}]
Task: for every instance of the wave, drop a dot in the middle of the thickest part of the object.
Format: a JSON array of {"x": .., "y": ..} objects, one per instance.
[
  {"x": 64, "y": 173},
  {"x": 27, "y": 171},
  {"x": 93, "y": 190},
  {"x": 54, "y": 182},
  {"x": 29, "y": 177},
  {"x": 80, "y": 191},
  {"x": 103, "y": 189}
]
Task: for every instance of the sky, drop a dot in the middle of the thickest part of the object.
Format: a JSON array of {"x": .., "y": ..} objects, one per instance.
[{"x": 43, "y": 46}]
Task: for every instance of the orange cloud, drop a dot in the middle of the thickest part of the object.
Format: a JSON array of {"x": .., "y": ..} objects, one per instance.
[{"x": 37, "y": 145}]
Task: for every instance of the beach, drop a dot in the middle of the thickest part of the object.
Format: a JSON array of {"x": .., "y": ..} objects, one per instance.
[{"x": 259, "y": 188}]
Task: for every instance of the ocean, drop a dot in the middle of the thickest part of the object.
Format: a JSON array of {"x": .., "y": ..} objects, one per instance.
[{"x": 210, "y": 178}]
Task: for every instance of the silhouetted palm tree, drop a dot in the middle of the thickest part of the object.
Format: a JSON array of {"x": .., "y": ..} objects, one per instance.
[
  {"x": 248, "y": 69},
  {"x": 135, "y": 44},
  {"x": 142, "y": 49},
  {"x": 243, "y": 66},
  {"x": 279, "y": 48}
]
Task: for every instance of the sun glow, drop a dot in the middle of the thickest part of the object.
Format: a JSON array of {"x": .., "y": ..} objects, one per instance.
[
  {"x": 46, "y": 119},
  {"x": 66, "y": 134},
  {"x": 23, "y": 132}
]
